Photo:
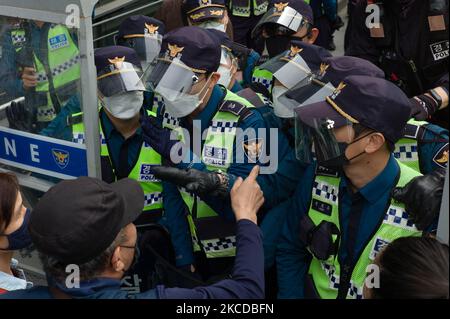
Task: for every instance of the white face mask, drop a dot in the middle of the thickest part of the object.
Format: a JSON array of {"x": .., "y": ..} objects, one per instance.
[
  {"x": 280, "y": 109},
  {"x": 186, "y": 104},
  {"x": 213, "y": 25},
  {"x": 225, "y": 76},
  {"x": 124, "y": 106}
]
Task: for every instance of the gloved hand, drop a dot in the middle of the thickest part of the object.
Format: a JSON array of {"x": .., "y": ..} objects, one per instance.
[
  {"x": 195, "y": 181},
  {"x": 21, "y": 117},
  {"x": 422, "y": 107},
  {"x": 422, "y": 198},
  {"x": 157, "y": 136}
]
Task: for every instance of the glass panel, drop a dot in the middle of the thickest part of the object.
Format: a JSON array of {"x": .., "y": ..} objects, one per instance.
[{"x": 40, "y": 93}]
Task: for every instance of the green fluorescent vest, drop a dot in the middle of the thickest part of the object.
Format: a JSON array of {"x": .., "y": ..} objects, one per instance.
[
  {"x": 219, "y": 141},
  {"x": 407, "y": 150},
  {"x": 259, "y": 8},
  {"x": 148, "y": 157},
  {"x": 60, "y": 71},
  {"x": 326, "y": 274},
  {"x": 263, "y": 76}
]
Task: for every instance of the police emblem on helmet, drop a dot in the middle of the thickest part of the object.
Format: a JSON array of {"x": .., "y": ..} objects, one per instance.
[
  {"x": 61, "y": 158},
  {"x": 280, "y": 6},
  {"x": 323, "y": 69},
  {"x": 204, "y": 2},
  {"x": 175, "y": 50},
  {"x": 294, "y": 50},
  {"x": 117, "y": 62},
  {"x": 151, "y": 29}
]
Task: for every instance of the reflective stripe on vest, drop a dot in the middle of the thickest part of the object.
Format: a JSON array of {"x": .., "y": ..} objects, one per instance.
[
  {"x": 148, "y": 158},
  {"x": 217, "y": 154},
  {"x": 63, "y": 59},
  {"x": 238, "y": 8},
  {"x": 264, "y": 77},
  {"x": 407, "y": 150},
  {"x": 326, "y": 274}
]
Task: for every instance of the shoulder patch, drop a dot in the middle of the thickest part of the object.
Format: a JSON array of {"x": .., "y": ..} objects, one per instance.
[
  {"x": 235, "y": 108},
  {"x": 441, "y": 157},
  {"x": 253, "y": 149}
]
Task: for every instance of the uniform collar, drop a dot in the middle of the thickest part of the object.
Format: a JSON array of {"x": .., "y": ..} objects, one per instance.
[
  {"x": 109, "y": 129},
  {"x": 381, "y": 184}
]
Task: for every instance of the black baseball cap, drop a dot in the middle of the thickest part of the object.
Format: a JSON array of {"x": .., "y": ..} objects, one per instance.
[
  {"x": 76, "y": 220},
  {"x": 103, "y": 56},
  {"x": 196, "y": 47},
  {"x": 202, "y": 10},
  {"x": 372, "y": 102},
  {"x": 298, "y": 5}
]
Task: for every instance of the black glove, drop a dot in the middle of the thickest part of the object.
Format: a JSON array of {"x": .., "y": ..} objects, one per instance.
[
  {"x": 21, "y": 117},
  {"x": 422, "y": 107},
  {"x": 195, "y": 181},
  {"x": 422, "y": 197}
]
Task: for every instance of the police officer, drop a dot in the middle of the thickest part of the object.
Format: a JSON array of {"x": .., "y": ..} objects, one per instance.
[
  {"x": 45, "y": 57},
  {"x": 186, "y": 76},
  {"x": 144, "y": 35},
  {"x": 412, "y": 48},
  {"x": 245, "y": 15},
  {"x": 284, "y": 22},
  {"x": 208, "y": 14},
  {"x": 124, "y": 154},
  {"x": 343, "y": 213}
]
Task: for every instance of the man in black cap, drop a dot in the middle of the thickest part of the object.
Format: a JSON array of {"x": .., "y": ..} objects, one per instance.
[
  {"x": 84, "y": 233},
  {"x": 343, "y": 214},
  {"x": 186, "y": 77},
  {"x": 411, "y": 44}
]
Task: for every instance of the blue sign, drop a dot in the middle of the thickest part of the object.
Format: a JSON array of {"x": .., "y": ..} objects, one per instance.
[{"x": 41, "y": 154}]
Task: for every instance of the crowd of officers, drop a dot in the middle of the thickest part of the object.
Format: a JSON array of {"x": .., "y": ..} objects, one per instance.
[{"x": 361, "y": 150}]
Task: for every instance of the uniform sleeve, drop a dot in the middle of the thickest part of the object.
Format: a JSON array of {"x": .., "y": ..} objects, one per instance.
[
  {"x": 248, "y": 273},
  {"x": 360, "y": 43},
  {"x": 174, "y": 219},
  {"x": 433, "y": 149},
  {"x": 240, "y": 167},
  {"x": 9, "y": 76},
  {"x": 292, "y": 257},
  {"x": 58, "y": 127}
]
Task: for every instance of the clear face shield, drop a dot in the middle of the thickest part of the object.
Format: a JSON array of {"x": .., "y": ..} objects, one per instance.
[
  {"x": 280, "y": 15},
  {"x": 146, "y": 46},
  {"x": 228, "y": 68},
  {"x": 315, "y": 139},
  {"x": 308, "y": 91},
  {"x": 181, "y": 88},
  {"x": 119, "y": 77}
]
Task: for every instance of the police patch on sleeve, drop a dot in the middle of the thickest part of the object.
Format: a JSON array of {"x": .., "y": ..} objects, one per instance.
[
  {"x": 253, "y": 149},
  {"x": 378, "y": 246},
  {"x": 440, "y": 50},
  {"x": 441, "y": 157}
]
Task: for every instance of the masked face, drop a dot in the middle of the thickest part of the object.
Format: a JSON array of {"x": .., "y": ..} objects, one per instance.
[
  {"x": 227, "y": 69},
  {"x": 124, "y": 106},
  {"x": 188, "y": 103},
  {"x": 216, "y": 25},
  {"x": 20, "y": 237}
]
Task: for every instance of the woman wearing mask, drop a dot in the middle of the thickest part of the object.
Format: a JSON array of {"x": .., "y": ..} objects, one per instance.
[{"x": 14, "y": 219}]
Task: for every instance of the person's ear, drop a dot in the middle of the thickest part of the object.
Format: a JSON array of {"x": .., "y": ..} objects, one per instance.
[
  {"x": 313, "y": 36},
  {"x": 376, "y": 141},
  {"x": 225, "y": 19},
  {"x": 214, "y": 78},
  {"x": 116, "y": 261}
]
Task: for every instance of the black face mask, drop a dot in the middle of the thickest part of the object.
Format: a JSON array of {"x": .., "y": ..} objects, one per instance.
[
  {"x": 20, "y": 238},
  {"x": 336, "y": 163},
  {"x": 279, "y": 43}
]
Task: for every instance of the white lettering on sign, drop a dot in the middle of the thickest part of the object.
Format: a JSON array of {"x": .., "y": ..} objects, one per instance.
[
  {"x": 34, "y": 153},
  {"x": 10, "y": 147}
]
